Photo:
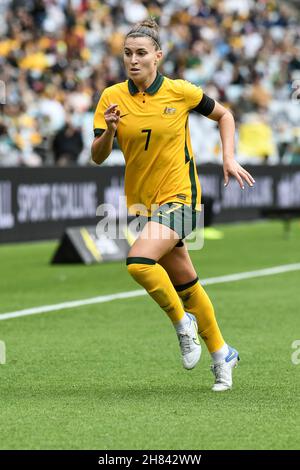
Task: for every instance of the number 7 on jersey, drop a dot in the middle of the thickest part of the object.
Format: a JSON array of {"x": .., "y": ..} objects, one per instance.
[{"x": 148, "y": 137}]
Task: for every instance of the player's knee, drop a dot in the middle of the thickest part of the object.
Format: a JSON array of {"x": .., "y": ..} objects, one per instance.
[
  {"x": 133, "y": 269},
  {"x": 137, "y": 267}
]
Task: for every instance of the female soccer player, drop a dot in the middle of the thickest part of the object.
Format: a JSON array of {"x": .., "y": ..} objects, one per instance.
[{"x": 148, "y": 113}]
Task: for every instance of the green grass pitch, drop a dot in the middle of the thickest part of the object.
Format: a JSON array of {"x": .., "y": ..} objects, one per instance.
[{"x": 109, "y": 376}]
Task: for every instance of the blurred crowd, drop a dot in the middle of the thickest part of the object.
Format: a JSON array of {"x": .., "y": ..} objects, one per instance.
[{"x": 57, "y": 56}]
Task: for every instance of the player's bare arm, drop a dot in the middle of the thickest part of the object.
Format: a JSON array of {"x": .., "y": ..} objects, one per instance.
[{"x": 227, "y": 131}]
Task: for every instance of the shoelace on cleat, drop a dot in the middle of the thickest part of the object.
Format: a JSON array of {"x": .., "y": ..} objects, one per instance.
[
  {"x": 185, "y": 341},
  {"x": 217, "y": 371}
]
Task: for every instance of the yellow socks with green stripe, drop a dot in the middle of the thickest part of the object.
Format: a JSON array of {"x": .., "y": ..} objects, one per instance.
[
  {"x": 196, "y": 301},
  {"x": 156, "y": 281}
]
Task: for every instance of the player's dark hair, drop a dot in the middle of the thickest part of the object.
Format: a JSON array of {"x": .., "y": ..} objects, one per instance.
[{"x": 148, "y": 28}]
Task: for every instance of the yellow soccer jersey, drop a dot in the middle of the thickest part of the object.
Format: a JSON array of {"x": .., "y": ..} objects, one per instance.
[{"x": 154, "y": 137}]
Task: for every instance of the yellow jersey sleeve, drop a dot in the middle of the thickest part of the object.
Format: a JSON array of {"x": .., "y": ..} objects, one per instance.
[
  {"x": 192, "y": 94},
  {"x": 103, "y": 103}
]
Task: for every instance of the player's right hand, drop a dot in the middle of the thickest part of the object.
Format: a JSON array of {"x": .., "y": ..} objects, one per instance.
[{"x": 112, "y": 117}]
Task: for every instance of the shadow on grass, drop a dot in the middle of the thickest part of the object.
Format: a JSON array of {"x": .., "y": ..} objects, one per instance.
[{"x": 97, "y": 391}]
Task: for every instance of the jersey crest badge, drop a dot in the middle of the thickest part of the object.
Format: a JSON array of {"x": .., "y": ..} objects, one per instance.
[{"x": 169, "y": 110}]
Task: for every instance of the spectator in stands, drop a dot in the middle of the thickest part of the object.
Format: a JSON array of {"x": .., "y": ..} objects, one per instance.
[
  {"x": 67, "y": 145},
  {"x": 8, "y": 152},
  {"x": 293, "y": 154}
]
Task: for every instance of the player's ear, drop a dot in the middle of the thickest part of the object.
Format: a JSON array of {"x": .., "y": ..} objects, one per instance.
[{"x": 158, "y": 56}]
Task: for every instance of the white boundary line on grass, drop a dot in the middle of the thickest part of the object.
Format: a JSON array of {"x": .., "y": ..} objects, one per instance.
[{"x": 135, "y": 293}]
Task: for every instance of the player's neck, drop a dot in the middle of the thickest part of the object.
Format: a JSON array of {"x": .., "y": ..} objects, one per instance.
[{"x": 142, "y": 86}]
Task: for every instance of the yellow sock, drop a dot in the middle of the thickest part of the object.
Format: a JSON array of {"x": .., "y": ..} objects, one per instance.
[
  {"x": 156, "y": 281},
  {"x": 196, "y": 301}
]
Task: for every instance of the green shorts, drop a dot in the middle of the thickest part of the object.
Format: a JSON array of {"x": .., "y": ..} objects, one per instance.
[{"x": 177, "y": 216}]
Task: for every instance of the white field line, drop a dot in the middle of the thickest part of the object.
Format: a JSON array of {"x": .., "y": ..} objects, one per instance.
[{"x": 135, "y": 293}]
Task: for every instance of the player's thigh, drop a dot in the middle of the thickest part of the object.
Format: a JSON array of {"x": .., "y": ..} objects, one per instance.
[
  {"x": 178, "y": 265},
  {"x": 155, "y": 241}
]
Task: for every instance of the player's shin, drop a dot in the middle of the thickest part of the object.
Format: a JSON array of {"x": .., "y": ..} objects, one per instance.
[
  {"x": 156, "y": 281},
  {"x": 196, "y": 301}
]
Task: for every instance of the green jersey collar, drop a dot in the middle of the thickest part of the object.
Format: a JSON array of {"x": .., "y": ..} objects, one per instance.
[{"x": 153, "y": 88}]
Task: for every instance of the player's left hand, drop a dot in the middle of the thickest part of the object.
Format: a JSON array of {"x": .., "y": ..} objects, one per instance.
[{"x": 232, "y": 168}]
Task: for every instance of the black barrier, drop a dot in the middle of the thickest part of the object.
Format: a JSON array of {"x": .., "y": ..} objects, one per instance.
[{"x": 41, "y": 203}]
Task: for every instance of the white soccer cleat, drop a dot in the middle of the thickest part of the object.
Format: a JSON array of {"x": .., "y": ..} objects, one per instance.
[
  {"x": 223, "y": 371},
  {"x": 189, "y": 343}
]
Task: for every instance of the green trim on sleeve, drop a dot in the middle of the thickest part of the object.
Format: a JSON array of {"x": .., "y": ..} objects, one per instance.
[{"x": 98, "y": 132}]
